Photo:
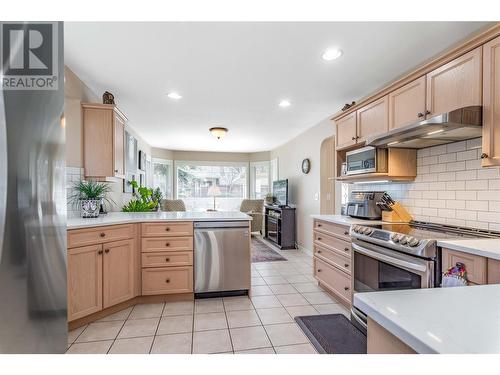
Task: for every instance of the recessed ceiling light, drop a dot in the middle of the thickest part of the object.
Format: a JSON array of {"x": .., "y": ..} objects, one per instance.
[
  {"x": 174, "y": 95},
  {"x": 285, "y": 103},
  {"x": 331, "y": 54}
]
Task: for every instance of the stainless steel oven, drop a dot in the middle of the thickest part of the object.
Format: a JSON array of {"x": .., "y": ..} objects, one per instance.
[
  {"x": 366, "y": 160},
  {"x": 377, "y": 268}
]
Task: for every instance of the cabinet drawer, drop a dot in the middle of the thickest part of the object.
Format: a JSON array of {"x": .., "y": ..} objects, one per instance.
[
  {"x": 84, "y": 237},
  {"x": 332, "y": 278},
  {"x": 166, "y": 259},
  {"x": 167, "y": 244},
  {"x": 475, "y": 265},
  {"x": 333, "y": 257},
  {"x": 341, "y": 231},
  {"x": 167, "y": 280},
  {"x": 333, "y": 243},
  {"x": 173, "y": 228}
]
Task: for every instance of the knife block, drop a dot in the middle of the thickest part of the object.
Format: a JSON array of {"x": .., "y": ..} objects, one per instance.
[{"x": 397, "y": 215}]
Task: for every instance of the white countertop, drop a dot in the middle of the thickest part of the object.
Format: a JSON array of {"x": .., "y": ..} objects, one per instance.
[
  {"x": 439, "y": 320},
  {"x": 488, "y": 247},
  {"x": 346, "y": 220},
  {"x": 137, "y": 217}
]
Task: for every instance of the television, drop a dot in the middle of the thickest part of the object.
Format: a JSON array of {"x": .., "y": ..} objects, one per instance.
[{"x": 280, "y": 192}]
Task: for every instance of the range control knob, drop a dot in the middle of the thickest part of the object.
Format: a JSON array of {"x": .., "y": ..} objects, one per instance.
[
  {"x": 368, "y": 231},
  {"x": 394, "y": 237},
  {"x": 404, "y": 240},
  {"x": 413, "y": 242},
  {"x": 355, "y": 228},
  {"x": 358, "y": 229}
]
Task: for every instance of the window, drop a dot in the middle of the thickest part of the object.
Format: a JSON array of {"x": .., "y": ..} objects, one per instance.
[
  {"x": 162, "y": 176},
  {"x": 199, "y": 182},
  {"x": 260, "y": 178},
  {"x": 274, "y": 170}
]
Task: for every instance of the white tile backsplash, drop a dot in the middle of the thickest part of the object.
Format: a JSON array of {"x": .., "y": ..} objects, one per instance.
[{"x": 451, "y": 187}]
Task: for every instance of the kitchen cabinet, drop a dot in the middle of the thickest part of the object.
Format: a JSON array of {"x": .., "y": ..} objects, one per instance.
[
  {"x": 407, "y": 104},
  {"x": 346, "y": 131},
  {"x": 474, "y": 264},
  {"x": 493, "y": 271},
  {"x": 84, "y": 268},
  {"x": 332, "y": 259},
  {"x": 372, "y": 119},
  {"x": 491, "y": 104},
  {"x": 118, "y": 272},
  {"x": 381, "y": 341},
  {"x": 455, "y": 84},
  {"x": 103, "y": 141}
]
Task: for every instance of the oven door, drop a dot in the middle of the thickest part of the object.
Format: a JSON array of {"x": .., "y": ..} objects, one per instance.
[{"x": 378, "y": 269}]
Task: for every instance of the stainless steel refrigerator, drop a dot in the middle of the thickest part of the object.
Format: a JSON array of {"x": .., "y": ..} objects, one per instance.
[{"x": 33, "y": 214}]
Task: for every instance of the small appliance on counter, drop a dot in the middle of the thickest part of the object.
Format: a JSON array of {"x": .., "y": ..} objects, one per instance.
[{"x": 363, "y": 205}]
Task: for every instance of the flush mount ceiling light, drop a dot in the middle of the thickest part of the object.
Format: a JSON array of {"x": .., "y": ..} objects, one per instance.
[
  {"x": 174, "y": 95},
  {"x": 218, "y": 132},
  {"x": 285, "y": 103},
  {"x": 331, "y": 54}
]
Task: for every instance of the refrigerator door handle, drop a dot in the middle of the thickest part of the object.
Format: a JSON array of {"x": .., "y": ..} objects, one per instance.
[{"x": 3, "y": 171}]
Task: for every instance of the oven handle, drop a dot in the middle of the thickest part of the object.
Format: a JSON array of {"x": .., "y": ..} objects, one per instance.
[
  {"x": 358, "y": 319},
  {"x": 389, "y": 259}
]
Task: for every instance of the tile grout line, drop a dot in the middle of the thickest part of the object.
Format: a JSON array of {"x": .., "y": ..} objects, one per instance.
[
  {"x": 157, "y": 326},
  {"x": 125, "y": 321},
  {"x": 228, "y": 328}
]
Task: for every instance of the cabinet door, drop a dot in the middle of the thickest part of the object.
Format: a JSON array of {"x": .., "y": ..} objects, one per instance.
[
  {"x": 346, "y": 130},
  {"x": 407, "y": 104},
  {"x": 84, "y": 281},
  {"x": 98, "y": 142},
  {"x": 491, "y": 103},
  {"x": 456, "y": 84},
  {"x": 373, "y": 119},
  {"x": 119, "y": 147},
  {"x": 118, "y": 272}
]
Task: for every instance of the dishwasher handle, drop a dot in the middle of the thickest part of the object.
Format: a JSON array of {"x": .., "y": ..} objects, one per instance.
[{"x": 220, "y": 224}]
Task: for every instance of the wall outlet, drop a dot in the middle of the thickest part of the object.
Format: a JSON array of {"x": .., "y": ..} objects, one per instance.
[{"x": 316, "y": 196}]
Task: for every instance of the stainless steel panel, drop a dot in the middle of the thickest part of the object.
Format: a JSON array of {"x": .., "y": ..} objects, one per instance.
[
  {"x": 33, "y": 248},
  {"x": 221, "y": 259}
]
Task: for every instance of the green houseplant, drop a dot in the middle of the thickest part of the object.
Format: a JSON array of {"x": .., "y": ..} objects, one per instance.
[
  {"x": 88, "y": 196},
  {"x": 145, "y": 200}
]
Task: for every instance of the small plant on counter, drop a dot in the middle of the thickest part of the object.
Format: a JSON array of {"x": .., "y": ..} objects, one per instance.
[
  {"x": 88, "y": 196},
  {"x": 143, "y": 201}
]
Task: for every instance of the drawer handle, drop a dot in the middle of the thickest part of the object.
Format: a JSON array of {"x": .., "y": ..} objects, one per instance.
[
  {"x": 346, "y": 249},
  {"x": 167, "y": 244},
  {"x": 427, "y": 112},
  {"x": 103, "y": 234},
  {"x": 346, "y": 265},
  {"x": 346, "y": 233},
  {"x": 99, "y": 252},
  {"x": 167, "y": 229},
  {"x": 346, "y": 288},
  {"x": 167, "y": 259},
  {"x": 420, "y": 114},
  {"x": 106, "y": 251},
  {"x": 167, "y": 281},
  {"x": 484, "y": 156},
  {"x": 353, "y": 138}
]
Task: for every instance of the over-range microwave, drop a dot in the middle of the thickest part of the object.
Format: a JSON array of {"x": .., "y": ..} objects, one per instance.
[{"x": 366, "y": 160}]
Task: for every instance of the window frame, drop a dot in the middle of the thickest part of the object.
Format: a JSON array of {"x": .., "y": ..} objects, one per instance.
[{"x": 170, "y": 177}]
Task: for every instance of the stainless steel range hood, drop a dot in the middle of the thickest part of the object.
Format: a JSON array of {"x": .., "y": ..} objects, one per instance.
[{"x": 460, "y": 124}]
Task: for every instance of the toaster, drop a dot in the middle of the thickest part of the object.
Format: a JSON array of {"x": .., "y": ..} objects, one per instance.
[{"x": 363, "y": 205}]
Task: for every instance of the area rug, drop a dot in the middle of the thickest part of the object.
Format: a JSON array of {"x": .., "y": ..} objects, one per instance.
[
  {"x": 332, "y": 334},
  {"x": 261, "y": 252}
]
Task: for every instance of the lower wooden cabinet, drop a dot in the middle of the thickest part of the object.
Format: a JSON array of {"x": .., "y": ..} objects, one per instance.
[
  {"x": 334, "y": 279},
  {"x": 474, "y": 264},
  {"x": 84, "y": 266},
  {"x": 100, "y": 276},
  {"x": 167, "y": 280}
]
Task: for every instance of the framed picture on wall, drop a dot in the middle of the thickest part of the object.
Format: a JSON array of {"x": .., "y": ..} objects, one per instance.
[
  {"x": 127, "y": 187},
  {"x": 142, "y": 160},
  {"x": 130, "y": 161},
  {"x": 142, "y": 180}
]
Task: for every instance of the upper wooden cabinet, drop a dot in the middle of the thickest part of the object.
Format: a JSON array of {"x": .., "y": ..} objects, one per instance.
[
  {"x": 456, "y": 84},
  {"x": 373, "y": 119},
  {"x": 491, "y": 103},
  {"x": 103, "y": 141},
  {"x": 407, "y": 104},
  {"x": 346, "y": 130}
]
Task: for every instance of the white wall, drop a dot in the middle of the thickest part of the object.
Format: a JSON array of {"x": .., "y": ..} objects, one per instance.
[{"x": 304, "y": 190}]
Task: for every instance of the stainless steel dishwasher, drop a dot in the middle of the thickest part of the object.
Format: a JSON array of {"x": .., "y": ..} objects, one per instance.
[{"x": 222, "y": 258}]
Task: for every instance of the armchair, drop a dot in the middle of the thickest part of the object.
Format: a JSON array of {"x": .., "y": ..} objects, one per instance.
[{"x": 253, "y": 208}]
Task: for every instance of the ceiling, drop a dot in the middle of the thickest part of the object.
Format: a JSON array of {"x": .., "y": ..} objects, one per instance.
[{"x": 234, "y": 74}]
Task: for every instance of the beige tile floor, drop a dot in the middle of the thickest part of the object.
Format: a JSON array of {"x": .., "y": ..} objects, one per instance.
[{"x": 262, "y": 324}]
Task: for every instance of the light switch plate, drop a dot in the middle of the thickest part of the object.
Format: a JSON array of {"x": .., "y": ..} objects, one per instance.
[{"x": 316, "y": 196}]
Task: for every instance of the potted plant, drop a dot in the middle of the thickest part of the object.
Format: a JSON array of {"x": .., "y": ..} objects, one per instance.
[
  {"x": 88, "y": 196},
  {"x": 145, "y": 201}
]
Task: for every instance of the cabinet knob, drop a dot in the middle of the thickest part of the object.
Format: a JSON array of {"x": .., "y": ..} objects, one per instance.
[
  {"x": 427, "y": 112},
  {"x": 319, "y": 251},
  {"x": 346, "y": 265},
  {"x": 167, "y": 229},
  {"x": 106, "y": 251},
  {"x": 167, "y": 244},
  {"x": 319, "y": 270},
  {"x": 99, "y": 252},
  {"x": 167, "y": 259},
  {"x": 353, "y": 138},
  {"x": 346, "y": 233},
  {"x": 484, "y": 156},
  {"x": 319, "y": 225},
  {"x": 319, "y": 238},
  {"x": 167, "y": 281},
  {"x": 420, "y": 114},
  {"x": 346, "y": 249},
  {"x": 346, "y": 288},
  {"x": 102, "y": 234},
  {"x": 116, "y": 170}
]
